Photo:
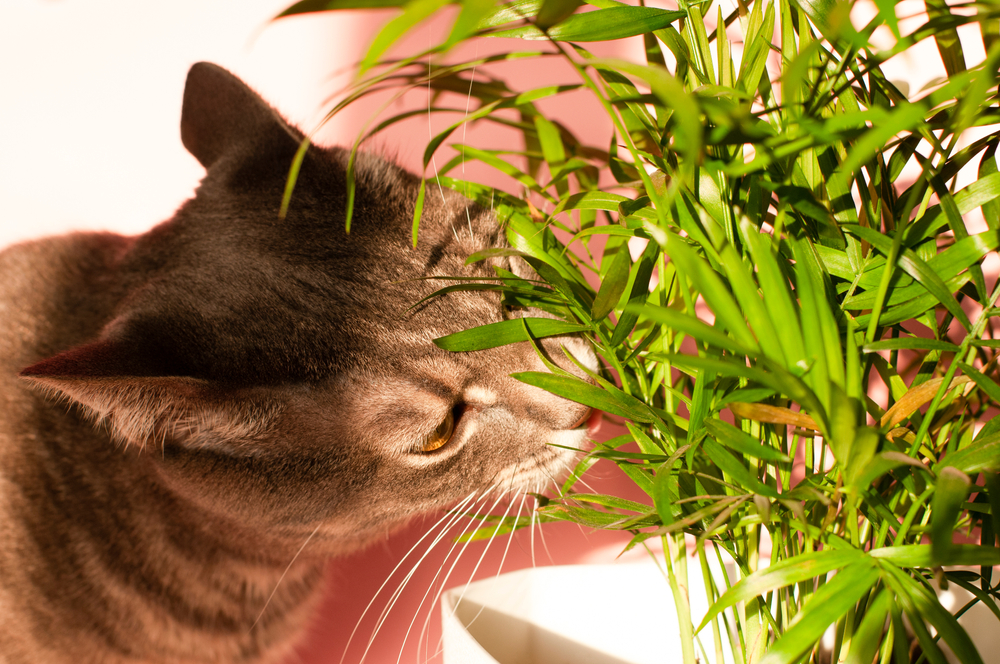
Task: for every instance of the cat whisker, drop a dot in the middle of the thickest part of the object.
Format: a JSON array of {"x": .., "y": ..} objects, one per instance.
[
  {"x": 432, "y": 584},
  {"x": 444, "y": 581},
  {"x": 560, "y": 494},
  {"x": 545, "y": 545},
  {"x": 451, "y": 517},
  {"x": 503, "y": 558},
  {"x": 510, "y": 536},
  {"x": 531, "y": 535},
  {"x": 430, "y": 132},
  {"x": 282, "y": 577},
  {"x": 482, "y": 557},
  {"x": 401, "y": 587},
  {"x": 468, "y": 102},
  {"x": 465, "y": 125},
  {"x": 510, "y": 486},
  {"x": 586, "y": 486}
]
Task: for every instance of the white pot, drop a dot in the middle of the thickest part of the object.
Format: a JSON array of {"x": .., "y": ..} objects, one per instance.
[{"x": 565, "y": 615}]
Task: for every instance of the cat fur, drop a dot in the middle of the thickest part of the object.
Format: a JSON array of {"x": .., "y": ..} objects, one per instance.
[{"x": 182, "y": 410}]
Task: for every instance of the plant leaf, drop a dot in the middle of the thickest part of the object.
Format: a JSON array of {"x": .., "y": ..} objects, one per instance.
[
  {"x": 921, "y": 606},
  {"x": 414, "y": 12},
  {"x": 308, "y": 6},
  {"x": 910, "y": 343},
  {"x": 506, "y": 332},
  {"x": 950, "y": 492},
  {"x": 640, "y": 291},
  {"x": 868, "y": 637},
  {"x": 919, "y": 555},
  {"x": 743, "y": 443},
  {"x": 553, "y": 12},
  {"x": 881, "y": 464},
  {"x": 983, "y": 454},
  {"x": 833, "y": 599},
  {"x": 612, "y": 286},
  {"x": 915, "y": 398},
  {"x": 804, "y": 567},
  {"x": 762, "y": 412},
  {"x": 612, "y": 400},
  {"x": 736, "y": 470},
  {"x": 600, "y": 25}
]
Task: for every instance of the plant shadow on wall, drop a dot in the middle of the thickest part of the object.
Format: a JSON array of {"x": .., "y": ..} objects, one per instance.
[{"x": 806, "y": 242}]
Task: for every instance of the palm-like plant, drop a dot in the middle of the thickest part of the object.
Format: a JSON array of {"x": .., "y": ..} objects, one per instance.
[{"x": 809, "y": 207}]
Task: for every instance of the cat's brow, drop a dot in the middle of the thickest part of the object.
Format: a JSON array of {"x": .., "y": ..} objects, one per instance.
[
  {"x": 480, "y": 395},
  {"x": 434, "y": 387}
]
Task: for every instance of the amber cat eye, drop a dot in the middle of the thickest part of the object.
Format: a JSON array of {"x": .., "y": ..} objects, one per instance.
[{"x": 441, "y": 435}]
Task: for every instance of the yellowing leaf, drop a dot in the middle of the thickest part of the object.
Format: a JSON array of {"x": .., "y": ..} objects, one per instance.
[
  {"x": 916, "y": 398},
  {"x": 760, "y": 412}
]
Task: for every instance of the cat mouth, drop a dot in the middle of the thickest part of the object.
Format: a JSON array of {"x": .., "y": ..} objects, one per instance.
[{"x": 591, "y": 420}]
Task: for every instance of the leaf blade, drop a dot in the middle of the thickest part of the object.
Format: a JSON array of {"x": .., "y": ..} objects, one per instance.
[{"x": 506, "y": 332}]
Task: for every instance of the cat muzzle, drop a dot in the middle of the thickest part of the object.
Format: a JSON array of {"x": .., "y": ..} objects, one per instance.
[{"x": 591, "y": 420}]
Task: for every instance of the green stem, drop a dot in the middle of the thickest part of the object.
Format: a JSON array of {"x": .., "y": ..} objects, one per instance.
[
  {"x": 676, "y": 556},
  {"x": 911, "y": 514},
  {"x": 966, "y": 350},
  {"x": 712, "y": 593}
]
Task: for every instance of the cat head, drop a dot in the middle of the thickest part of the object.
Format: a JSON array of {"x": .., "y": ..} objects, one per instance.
[{"x": 276, "y": 371}]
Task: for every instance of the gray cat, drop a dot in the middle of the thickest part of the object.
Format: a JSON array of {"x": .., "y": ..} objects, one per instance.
[{"x": 181, "y": 411}]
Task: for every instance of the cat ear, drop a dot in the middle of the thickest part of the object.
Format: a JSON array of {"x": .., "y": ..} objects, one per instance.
[
  {"x": 221, "y": 113},
  {"x": 142, "y": 409}
]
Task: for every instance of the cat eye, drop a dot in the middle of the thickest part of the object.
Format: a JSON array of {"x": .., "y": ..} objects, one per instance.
[{"x": 441, "y": 435}]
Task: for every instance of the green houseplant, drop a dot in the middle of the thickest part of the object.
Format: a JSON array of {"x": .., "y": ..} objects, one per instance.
[{"x": 810, "y": 209}]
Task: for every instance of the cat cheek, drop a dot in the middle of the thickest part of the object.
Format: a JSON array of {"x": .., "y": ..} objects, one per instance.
[{"x": 241, "y": 489}]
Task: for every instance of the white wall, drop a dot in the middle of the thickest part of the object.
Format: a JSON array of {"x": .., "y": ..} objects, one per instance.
[{"x": 90, "y": 98}]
